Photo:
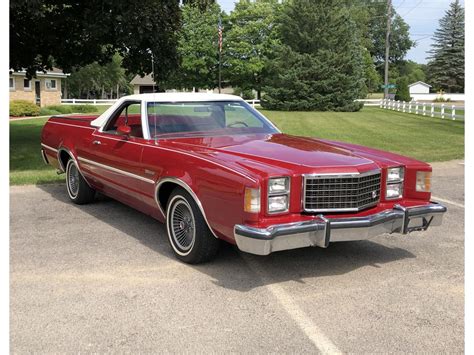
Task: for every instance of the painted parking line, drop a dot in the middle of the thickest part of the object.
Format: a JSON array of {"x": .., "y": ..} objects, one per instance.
[
  {"x": 303, "y": 321},
  {"x": 447, "y": 201}
]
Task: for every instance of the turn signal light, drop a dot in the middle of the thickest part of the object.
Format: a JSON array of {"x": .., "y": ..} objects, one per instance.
[
  {"x": 252, "y": 200},
  {"x": 423, "y": 181}
]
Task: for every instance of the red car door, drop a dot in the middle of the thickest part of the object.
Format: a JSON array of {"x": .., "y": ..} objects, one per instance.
[{"x": 113, "y": 161}]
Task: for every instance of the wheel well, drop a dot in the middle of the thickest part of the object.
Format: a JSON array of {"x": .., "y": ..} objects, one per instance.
[
  {"x": 64, "y": 158},
  {"x": 164, "y": 193}
]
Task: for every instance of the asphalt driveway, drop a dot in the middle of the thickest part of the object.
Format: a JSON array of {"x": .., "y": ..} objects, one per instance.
[{"x": 102, "y": 278}]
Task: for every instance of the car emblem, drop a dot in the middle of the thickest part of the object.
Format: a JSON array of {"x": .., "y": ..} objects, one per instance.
[{"x": 374, "y": 194}]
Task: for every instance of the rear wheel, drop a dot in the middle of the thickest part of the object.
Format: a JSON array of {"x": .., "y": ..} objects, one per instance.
[
  {"x": 77, "y": 188},
  {"x": 188, "y": 233}
]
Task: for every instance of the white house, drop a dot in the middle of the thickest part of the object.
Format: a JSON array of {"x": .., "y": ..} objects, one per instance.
[{"x": 419, "y": 88}]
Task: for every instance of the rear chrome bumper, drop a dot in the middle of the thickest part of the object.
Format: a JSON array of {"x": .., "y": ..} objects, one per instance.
[{"x": 321, "y": 231}]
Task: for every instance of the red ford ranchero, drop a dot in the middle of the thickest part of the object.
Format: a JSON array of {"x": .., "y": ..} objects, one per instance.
[{"x": 212, "y": 167}]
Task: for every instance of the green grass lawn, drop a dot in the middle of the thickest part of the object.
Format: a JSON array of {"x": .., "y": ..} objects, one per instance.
[{"x": 424, "y": 138}]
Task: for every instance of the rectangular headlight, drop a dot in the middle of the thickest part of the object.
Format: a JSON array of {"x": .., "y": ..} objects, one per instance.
[
  {"x": 423, "y": 181},
  {"x": 394, "y": 191},
  {"x": 278, "y": 185},
  {"x": 278, "y": 203},
  {"x": 252, "y": 200},
  {"x": 395, "y": 174}
]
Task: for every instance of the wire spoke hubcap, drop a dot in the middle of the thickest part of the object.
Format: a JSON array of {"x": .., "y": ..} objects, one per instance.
[
  {"x": 73, "y": 179},
  {"x": 182, "y": 225}
]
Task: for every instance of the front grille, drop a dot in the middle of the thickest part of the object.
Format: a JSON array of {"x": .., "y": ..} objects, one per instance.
[{"x": 324, "y": 193}]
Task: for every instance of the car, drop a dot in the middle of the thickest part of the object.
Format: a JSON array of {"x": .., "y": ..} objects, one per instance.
[{"x": 213, "y": 168}]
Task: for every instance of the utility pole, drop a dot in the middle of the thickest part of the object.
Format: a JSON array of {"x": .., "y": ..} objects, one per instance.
[{"x": 387, "y": 46}]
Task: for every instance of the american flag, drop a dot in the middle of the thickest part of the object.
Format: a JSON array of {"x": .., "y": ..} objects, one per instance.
[{"x": 219, "y": 30}]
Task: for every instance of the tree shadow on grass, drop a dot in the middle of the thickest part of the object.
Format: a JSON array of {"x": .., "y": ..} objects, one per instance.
[{"x": 231, "y": 267}]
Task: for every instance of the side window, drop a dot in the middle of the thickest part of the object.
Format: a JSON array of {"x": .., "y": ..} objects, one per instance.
[{"x": 130, "y": 115}]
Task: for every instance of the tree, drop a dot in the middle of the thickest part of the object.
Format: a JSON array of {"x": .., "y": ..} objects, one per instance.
[
  {"x": 372, "y": 78},
  {"x": 400, "y": 42},
  {"x": 99, "y": 81},
  {"x": 71, "y": 33},
  {"x": 250, "y": 42},
  {"x": 320, "y": 62},
  {"x": 403, "y": 92},
  {"x": 446, "y": 65},
  {"x": 201, "y": 4},
  {"x": 197, "y": 48}
]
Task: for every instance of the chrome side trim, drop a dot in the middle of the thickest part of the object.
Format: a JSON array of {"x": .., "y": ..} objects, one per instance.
[
  {"x": 320, "y": 230},
  {"x": 72, "y": 125},
  {"x": 115, "y": 170},
  {"x": 188, "y": 189},
  {"x": 48, "y": 147}
]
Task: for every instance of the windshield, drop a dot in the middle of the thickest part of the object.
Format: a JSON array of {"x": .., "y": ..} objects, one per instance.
[{"x": 205, "y": 118}]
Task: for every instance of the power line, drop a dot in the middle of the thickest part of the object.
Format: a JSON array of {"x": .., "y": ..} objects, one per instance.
[{"x": 413, "y": 8}]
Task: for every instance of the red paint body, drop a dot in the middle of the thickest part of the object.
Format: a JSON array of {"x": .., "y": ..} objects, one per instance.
[{"x": 218, "y": 169}]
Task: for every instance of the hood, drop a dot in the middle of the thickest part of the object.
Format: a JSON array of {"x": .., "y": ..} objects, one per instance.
[{"x": 281, "y": 150}]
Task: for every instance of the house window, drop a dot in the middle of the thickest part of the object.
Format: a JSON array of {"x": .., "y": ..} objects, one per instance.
[
  {"x": 12, "y": 84},
  {"x": 50, "y": 84},
  {"x": 26, "y": 84}
]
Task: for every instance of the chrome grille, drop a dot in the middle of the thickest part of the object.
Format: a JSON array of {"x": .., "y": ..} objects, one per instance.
[{"x": 325, "y": 193}]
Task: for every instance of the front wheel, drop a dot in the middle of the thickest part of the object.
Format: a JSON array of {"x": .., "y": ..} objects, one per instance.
[
  {"x": 77, "y": 188},
  {"x": 188, "y": 233}
]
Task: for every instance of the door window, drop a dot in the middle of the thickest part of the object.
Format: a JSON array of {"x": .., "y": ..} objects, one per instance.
[{"x": 130, "y": 115}]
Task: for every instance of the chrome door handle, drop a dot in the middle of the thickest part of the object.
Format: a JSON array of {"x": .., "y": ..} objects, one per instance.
[{"x": 96, "y": 143}]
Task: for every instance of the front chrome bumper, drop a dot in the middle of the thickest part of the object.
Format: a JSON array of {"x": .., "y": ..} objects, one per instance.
[{"x": 321, "y": 231}]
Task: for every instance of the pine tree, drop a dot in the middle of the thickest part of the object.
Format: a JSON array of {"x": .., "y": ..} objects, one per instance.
[
  {"x": 446, "y": 66},
  {"x": 319, "y": 65}
]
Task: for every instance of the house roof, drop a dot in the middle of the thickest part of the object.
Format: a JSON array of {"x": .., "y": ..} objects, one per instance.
[
  {"x": 420, "y": 83},
  {"x": 146, "y": 80},
  {"x": 55, "y": 72}
]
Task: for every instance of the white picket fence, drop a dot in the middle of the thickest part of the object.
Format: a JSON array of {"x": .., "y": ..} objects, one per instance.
[
  {"x": 369, "y": 102},
  {"x": 423, "y": 108},
  {"x": 99, "y": 102}
]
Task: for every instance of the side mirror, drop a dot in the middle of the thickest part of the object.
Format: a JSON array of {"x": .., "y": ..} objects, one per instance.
[{"x": 124, "y": 130}]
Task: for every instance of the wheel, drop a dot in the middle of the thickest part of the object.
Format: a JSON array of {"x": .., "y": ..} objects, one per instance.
[
  {"x": 188, "y": 233},
  {"x": 77, "y": 188}
]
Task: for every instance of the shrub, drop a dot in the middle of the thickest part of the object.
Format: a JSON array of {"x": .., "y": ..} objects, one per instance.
[
  {"x": 85, "y": 108},
  {"x": 403, "y": 93},
  {"x": 442, "y": 99},
  {"x": 66, "y": 109},
  {"x": 246, "y": 94},
  {"x": 63, "y": 109},
  {"x": 48, "y": 112},
  {"x": 20, "y": 108}
]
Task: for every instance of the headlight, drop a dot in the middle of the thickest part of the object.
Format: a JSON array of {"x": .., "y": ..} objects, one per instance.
[
  {"x": 252, "y": 200},
  {"x": 278, "y": 194},
  {"x": 395, "y": 174},
  {"x": 394, "y": 191},
  {"x": 278, "y": 203},
  {"x": 395, "y": 178},
  {"x": 278, "y": 185},
  {"x": 423, "y": 181}
]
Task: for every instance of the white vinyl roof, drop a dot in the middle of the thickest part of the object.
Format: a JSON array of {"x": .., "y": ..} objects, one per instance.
[{"x": 164, "y": 97}]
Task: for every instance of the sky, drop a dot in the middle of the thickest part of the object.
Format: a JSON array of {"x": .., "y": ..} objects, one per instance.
[{"x": 421, "y": 15}]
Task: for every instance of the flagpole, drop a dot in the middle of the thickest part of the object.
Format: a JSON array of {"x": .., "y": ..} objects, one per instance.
[{"x": 220, "y": 71}]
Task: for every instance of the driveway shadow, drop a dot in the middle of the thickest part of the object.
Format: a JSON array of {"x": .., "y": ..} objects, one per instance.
[{"x": 231, "y": 267}]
